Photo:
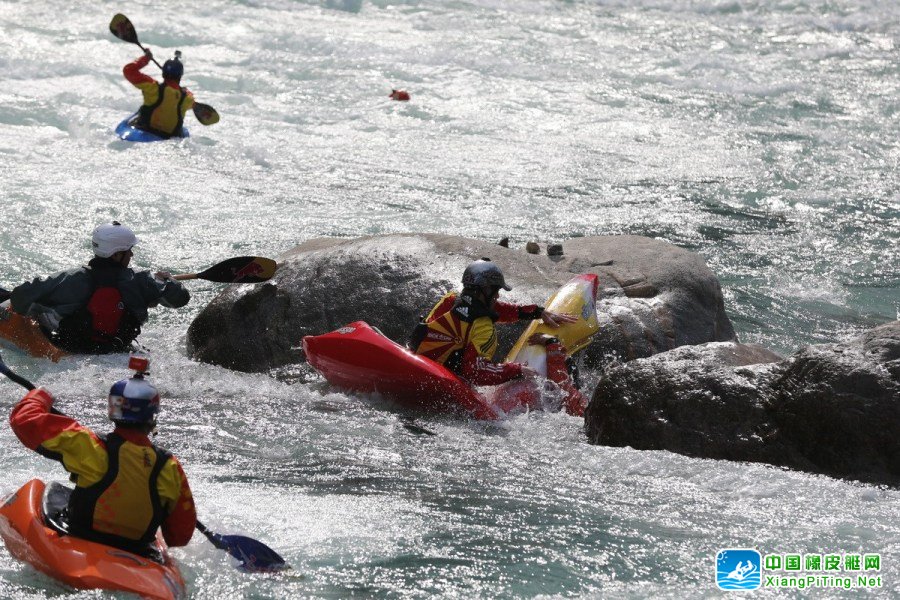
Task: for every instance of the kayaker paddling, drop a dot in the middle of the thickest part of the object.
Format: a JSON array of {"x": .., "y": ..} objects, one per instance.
[
  {"x": 460, "y": 331},
  {"x": 127, "y": 490},
  {"x": 166, "y": 103},
  {"x": 98, "y": 308},
  {"x": 126, "y": 487}
]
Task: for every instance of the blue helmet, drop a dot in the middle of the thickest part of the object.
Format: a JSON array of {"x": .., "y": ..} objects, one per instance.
[
  {"x": 133, "y": 401},
  {"x": 484, "y": 273},
  {"x": 173, "y": 69}
]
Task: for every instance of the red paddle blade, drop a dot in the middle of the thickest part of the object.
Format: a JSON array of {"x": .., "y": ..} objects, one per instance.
[
  {"x": 122, "y": 28},
  {"x": 206, "y": 114},
  {"x": 243, "y": 269}
]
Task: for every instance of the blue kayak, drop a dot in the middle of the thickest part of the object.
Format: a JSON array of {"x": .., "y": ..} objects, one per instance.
[{"x": 128, "y": 132}]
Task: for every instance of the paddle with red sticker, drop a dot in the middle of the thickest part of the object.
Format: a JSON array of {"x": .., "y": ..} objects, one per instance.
[
  {"x": 241, "y": 269},
  {"x": 121, "y": 27}
]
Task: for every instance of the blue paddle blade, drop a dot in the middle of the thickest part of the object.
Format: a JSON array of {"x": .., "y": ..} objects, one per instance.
[{"x": 253, "y": 555}]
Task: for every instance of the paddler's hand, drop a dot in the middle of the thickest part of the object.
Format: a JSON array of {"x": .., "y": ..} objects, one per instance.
[
  {"x": 542, "y": 339},
  {"x": 556, "y": 319},
  {"x": 148, "y": 54},
  {"x": 49, "y": 319},
  {"x": 163, "y": 275}
]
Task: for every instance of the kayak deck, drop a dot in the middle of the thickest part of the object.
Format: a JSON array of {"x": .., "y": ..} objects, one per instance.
[
  {"x": 24, "y": 333},
  {"x": 128, "y": 132},
  {"x": 359, "y": 358}
]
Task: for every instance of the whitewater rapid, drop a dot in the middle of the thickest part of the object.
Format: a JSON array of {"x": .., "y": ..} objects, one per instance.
[{"x": 762, "y": 135}]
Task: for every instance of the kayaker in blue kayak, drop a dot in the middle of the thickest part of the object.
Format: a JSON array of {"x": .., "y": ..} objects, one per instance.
[
  {"x": 98, "y": 308},
  {"x": 166, "y": 103},
  {"x": 126, "y": 487},
  {"x": 460, "y": 331}
]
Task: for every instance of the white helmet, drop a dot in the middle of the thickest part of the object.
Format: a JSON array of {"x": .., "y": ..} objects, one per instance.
[{"x": 110, "y": 238}]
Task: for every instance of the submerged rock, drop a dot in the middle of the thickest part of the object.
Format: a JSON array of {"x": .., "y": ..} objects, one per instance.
[
  {"x": 654, "y": 296},
  {"x": 831, "y": 409}
]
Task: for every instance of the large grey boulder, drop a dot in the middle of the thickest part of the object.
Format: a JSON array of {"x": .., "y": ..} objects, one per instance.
[
  {"x": 654, "y": 296},
  {"x": 832, "y": 409}
]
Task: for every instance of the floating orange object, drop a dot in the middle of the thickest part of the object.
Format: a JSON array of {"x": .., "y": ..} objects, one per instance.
[
  {"x": 77, "y": 562},
  {"x": 401, "y": 95}
]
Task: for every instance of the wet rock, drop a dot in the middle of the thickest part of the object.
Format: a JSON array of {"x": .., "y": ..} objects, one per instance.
[
  {"x": 392, "y": 280},
  {"x": 831, "y": 409}
]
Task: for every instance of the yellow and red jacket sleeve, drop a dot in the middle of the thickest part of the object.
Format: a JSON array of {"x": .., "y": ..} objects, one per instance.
[
  {"x": 574, "y": 402},
  {"x": 506, "y": 311},
  {"x": 444, "y": 305},
  {"x": 176, "y": 497},
  {"x": 132, "y": 72},
  {"x": 510, "y": 313},
  {"x": 477, "y": 364},
  {"x": 58, "y": 437}
]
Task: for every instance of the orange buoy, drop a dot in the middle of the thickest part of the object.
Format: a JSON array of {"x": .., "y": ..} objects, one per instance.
[{"x": 401, "y": 95}]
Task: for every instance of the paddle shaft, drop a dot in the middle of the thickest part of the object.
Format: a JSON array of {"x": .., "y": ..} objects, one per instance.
[
  {"x": 209, "y": 534},
  {"x": 22, "y": 381},
  {"x": 185, "y": 276},
  {"x": 145, "y": 51},
  {"x": 15, "y": 378}
]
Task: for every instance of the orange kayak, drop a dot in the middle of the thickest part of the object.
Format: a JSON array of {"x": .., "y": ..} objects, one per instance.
[
  {"x": 26, "y": 334},
  {"x": 77, "y": 562}
]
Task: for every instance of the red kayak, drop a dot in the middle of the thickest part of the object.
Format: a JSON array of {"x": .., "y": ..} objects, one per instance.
[
  {"x": 359, "y": 358},
  {"x": 34, "y": 533}
]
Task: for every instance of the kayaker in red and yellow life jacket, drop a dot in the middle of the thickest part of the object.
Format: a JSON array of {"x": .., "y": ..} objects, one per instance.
[
  {"x": 166, "y": 103},
  {"x": 98, "y": 308},
  {"x": 126, "y": 488},
  {"x": 459, "y": 331}
]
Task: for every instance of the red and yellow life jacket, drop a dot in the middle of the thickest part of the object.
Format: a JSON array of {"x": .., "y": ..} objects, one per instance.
[
  {"x": 123, "y": 507},
  {"x": 164, "y": 108},
  {"x": 453, "y": 324}
]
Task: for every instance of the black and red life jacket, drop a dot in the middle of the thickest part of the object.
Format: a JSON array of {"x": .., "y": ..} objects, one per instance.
[{"x": 104, "y": 325}]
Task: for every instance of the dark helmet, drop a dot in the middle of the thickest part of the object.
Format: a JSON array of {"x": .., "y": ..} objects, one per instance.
[
  {"x": 483, "y": 273},
  {"x": 173, "y": 69}
]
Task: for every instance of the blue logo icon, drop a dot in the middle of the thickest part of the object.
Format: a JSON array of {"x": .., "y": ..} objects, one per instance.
[{"x": 738, "y": 569}]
